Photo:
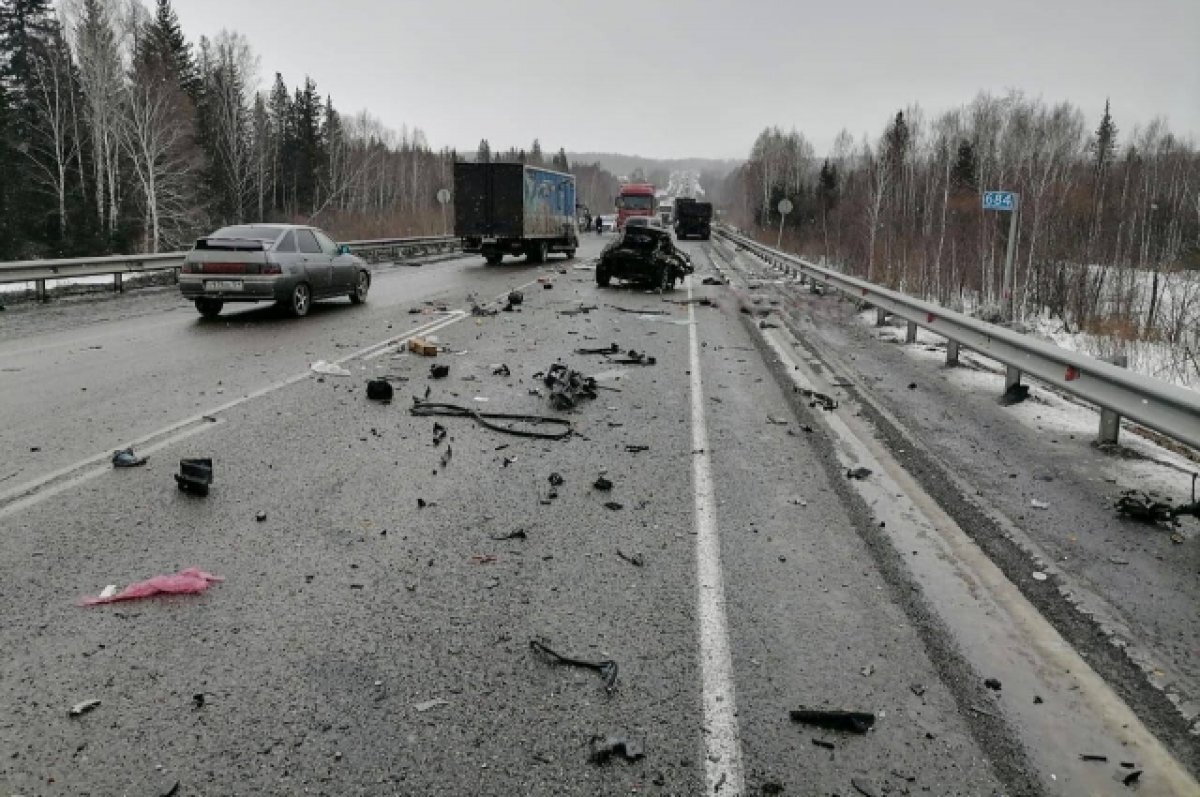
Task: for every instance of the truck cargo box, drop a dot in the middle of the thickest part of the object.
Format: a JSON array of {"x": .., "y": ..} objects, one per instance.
[{"x": 512, "y": 200}]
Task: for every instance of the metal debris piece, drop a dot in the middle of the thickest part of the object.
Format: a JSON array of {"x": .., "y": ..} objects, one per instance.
[
  {"x": 568, "y": 387},
  {"x": 858, "y": 474},
  {"x": 519, "y": 534},
  {"x": 195, "y": 475},
  {"x": 1147, "y": 507},
  {"x": 602, "y": 484},
  {"x": 851, "y": 721},
  {"x": 634, "y": 559},
  {"x": 604, "y": 748},
  {"x": 515, "y": 298},
  {"x": 819, "y": 400},
  {"x": 379, "y": 390},
  {"x": 606, "y": 668},
  {"x": 439, "y": 433},
  {"x": 501, "y": 370},
  {"x": 439, "y": 371},
  {"x": 613, "y": 505},
  {"x": 556, "y": 480},
  {"x": 429, "y": 705},
  {"x": 993, "y": 684}
]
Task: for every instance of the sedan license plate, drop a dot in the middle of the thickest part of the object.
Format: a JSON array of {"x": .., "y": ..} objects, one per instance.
[{"x": 222, "y": 285}]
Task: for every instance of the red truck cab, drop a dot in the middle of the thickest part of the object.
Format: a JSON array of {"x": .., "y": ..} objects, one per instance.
[{"x": 635, "y": 199}]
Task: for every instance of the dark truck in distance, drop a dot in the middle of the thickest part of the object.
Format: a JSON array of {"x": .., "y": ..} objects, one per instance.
[
  {"x": 643, "y": 252},
  {"x": 693, "y": 218},
  {"x": 513, "y": 209}
]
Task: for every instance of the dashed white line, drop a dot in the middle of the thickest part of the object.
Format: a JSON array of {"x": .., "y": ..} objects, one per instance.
[{"x": 722, "y": 744}]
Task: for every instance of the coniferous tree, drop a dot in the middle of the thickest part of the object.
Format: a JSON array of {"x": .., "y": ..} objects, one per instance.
[
  {"x": 964, "y": 173},
  {"x": 535, "y": 155},
  {"x": 484, "y": 153}
]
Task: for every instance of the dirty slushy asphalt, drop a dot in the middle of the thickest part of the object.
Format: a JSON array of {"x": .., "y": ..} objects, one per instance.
[{"x": 362, "y": 643}]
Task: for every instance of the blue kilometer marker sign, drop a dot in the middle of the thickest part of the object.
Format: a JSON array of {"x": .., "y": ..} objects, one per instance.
[{"x": 999, "y": 200}]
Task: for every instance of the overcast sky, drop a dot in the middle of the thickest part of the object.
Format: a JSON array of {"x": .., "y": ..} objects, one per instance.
[{"x": 702, "y": 78}]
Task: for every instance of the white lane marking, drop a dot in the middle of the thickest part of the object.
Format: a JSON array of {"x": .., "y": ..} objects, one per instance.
[
  {"x": 35, "y": 491},
  {"x": 722, "y": 745}
]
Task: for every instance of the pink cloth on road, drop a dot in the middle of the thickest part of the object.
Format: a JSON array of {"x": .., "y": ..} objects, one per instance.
[{"x": 189, "y": 581}]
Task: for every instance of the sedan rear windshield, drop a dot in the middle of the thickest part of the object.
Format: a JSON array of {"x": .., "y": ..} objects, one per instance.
[{"x": 245, "y": 236}]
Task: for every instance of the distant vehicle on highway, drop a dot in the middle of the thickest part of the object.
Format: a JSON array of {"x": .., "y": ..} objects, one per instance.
[
  {"x": 644, "y": 252},
  {"x": 693, "y": 218},
  {"x": 635, "y": 199},
  {"x": 606, "y": 223},
  {"x": 289, "y": 264},
  {"x": 666, "y": 210}
]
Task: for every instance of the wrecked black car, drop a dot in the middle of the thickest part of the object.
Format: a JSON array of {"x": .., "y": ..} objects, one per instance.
[{"x": 644, "y": 252}]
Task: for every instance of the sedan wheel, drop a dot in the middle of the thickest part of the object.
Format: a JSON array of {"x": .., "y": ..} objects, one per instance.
[
  {"x": 359, "y": 294},
  {"x": 300, "y": 301},
  {"x": 209, "y": 308}
]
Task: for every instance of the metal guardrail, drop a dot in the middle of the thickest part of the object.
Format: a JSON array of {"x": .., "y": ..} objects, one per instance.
[
  {"x": 40, "y": 271},
  {"x": 1166, "y": 408}
]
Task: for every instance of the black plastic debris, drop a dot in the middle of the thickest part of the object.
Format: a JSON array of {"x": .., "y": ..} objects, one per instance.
[
  {"x": 446, "y": 455},
  {"x": 501, "y": 370},
  {"x": 195, "y": 475},
  {"x": 767, "y": 325},
  {"x": 602, "y": 484},
  {"x": 1132, "y": 777},
  {"x": 568, "y": 387},
  {"x": 606, "y": 668},
  {"x": 556, "y": 480},
  {"x": 1014, "y": 395},
  {"x": 515, "y": 298},
  {"x": 611, "y": 349},
  {"x": 379, "y": 390},
  {"x": 519, "y": 534},
  {"x": 198, "y": 700},
  {"x": 858, "y": 473},
  {"x": 439, "y": 433},
  {"x": 863, "y": 788},
  {"x": 834, "y": 720},
  {"x": 261, "y": 517},
  {"x": 125, "y": 458},
  {"x": 1092, "y": 757},
  {"x": 636, "y": 449},
  {"x": 993, "y": 684},
  {"x": 614, "y": 506},
  {"x": 519, "y": 425},
  {"x": 712, "y": 281},
  {"x": 634, "y": 357},
  {"x": 173, "y": 790},
  {"x": 478, "y": 311},
  {"x": 439, "y": 371},
  {"x": 79, "y": 709},
  {"x": 824, "y": 744},
  {"x": 634, "y": 559},
  {"x": 605, "y": 748}
]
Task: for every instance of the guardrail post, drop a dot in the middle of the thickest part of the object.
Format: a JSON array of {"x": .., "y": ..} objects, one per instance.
[
  {"x": 118, "y": 283},
  {"x": 880, "y": 317},
  {"x": 1110, "y": 422},
  {"x": 951, "y": 353},
  {"x": 40, "y": 289},
  {"x": 1012, "y": 377},
  {"x": 910, "y": 334}
]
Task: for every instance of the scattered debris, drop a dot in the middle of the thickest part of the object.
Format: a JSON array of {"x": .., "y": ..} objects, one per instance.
[
  {"x": 478, "y": 311},
  {"x": 912, "y": 385},
  {"x": 863, "y": 788},
  {"x": 422, "y": 347},
  {"x": 712, "y": 281},
  {"x": 603, "y": 748},
  {"x": 260, "y": 517},
  {"x": 1092, "y": 757},
  {"x": 636, "y": 449},
  {"x": 823, "y": 743},
  {"x": 173, "y": 791},
  {"x": 582, "y": 309},
  {"x": 379, "y": 390},
  {"x": 633, "y": 357},
  {"x": 487, "y": 420},
  {"x": 198, "y": 700},
  {"x": 858, "y": 474},
  {"x": 1147, "y": 507},
  {"x": 125, "y": 458},
  {"x": 1036, "y": 504},
  {"x": 606, "y": 668},
  {"x": 1132, "y": 777},
  {"x": 108, "y": 591},
  {"x": 79, "y": 709},
  {"x": 515, "y": 298},
  {"x": 819, "y": 400},
  {"x": 610, "y": 349},
  {"x": 429, "y": 705},
  {"x": 634, "y": 559},
  {"x": 639, "y": 312},
  {"x": 501, "y": 370},
  {"x": 767, "y": 325},
  {"x": 195, "y": 475},
  {"x": 567, "y": 387},
  {"x": 556, "y": 480},
  {"x": 993, "y": 684},
  {"x": 918, "y": 689},
  {"x": 189, "y": 581},
  {"x": 868, "y": 671},
  {"x": 439, "y": 433},
  {"x": 484, "y": 559},
  {"x": 602, "y": 484},
  {"x": 439, "y": 371},
  {"x": 1015, "y": 394},
  {"x": 614, "y": 506},
  {"x": 1038, "y": 575},
  {"x": 328, "y": 369},
  {"x": 852, "y": 721},
  {"x": 776, "y": 421}
]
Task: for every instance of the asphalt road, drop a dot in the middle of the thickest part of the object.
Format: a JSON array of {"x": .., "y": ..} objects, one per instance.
[{"x": 372, "y": 633}]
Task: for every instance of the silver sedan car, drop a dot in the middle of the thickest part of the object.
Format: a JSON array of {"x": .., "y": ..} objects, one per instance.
[{"x": 289, "y": 264}]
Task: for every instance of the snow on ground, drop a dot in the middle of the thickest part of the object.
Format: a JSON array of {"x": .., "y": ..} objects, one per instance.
[
  {"x": 1049, "y": 412},
  {"x": 27, "y": 289}
]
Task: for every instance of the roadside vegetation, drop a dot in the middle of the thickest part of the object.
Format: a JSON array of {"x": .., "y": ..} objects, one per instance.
[{"x": 1108, "y": 250}]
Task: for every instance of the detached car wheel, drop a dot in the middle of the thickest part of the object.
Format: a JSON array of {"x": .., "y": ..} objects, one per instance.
[
  {"x": 209, "y": 308},
  {"x": 359, "y": 294},
  {"x": 300, "y": 300}
]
